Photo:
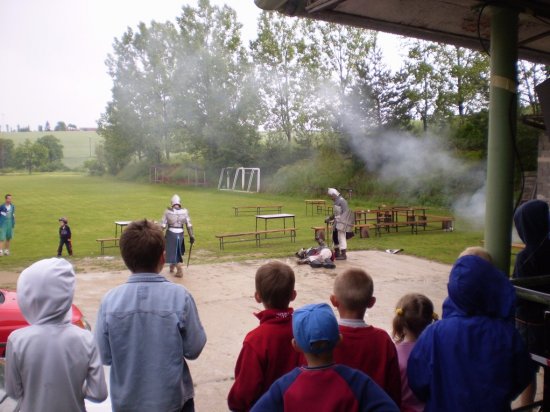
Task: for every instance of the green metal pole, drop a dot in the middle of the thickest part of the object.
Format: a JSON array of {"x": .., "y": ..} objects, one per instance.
[{"x": 502, "y": 125}]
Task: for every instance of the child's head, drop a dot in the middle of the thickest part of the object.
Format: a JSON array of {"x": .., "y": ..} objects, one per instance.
[
  {"x": 315, "y": 329},
  {"x": 353, "y": 292},
  {"x": 45, "y": 291},
  {"x": 413, "y": 313},
  {"x": 142, "y": 247},
  {"x": 63, "y": 221},
  {"x": 275, "y": 285},
  {"x": 477, "y": 251}
]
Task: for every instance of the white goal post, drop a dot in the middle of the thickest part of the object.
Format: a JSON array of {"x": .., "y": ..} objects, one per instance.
[{"x": 239, "y": 179}]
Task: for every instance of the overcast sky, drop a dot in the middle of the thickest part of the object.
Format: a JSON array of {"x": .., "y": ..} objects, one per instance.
[{"x": 52, "y": 64}]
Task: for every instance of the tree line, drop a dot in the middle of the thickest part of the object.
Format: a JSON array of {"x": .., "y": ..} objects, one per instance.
[
  {"x": 301, "y": 88},
  {"x": 44, "y": 154}
]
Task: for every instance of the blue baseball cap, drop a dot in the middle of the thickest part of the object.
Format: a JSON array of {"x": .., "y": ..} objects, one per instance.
[{"x": 315, "y": 323}]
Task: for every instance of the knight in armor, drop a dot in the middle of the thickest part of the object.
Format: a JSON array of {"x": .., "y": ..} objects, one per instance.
[
  {"x": 342, "y": 221},
  {"x": 174, "y": 220}
]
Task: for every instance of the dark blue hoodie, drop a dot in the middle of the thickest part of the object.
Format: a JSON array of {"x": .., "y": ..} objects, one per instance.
[
  {"x": 532, "y": 224},
  {"x": 473, "y": 359}
]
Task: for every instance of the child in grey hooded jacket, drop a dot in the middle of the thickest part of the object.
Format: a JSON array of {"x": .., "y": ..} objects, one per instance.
[{"x": 51, "y": 365}]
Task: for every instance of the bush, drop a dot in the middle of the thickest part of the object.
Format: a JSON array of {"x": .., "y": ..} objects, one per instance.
[
  {"x": 138, "y": 171},
  {"x": 94, "y": 167}
]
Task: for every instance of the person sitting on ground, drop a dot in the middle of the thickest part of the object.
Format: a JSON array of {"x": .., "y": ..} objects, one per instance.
[
  {"x": 322, "y": 385},
  {"x": 267, "y": 352},
  {"x": 147, "y": 328},
  {"x": 316, "y": 257},
  {"x": 51, "y": 365},
  {"x": 413, "y": 313},
  {"x": 364, "y": 347},
  {"x": 473, "y": 359},
  {"x": 532, "y": 223}
]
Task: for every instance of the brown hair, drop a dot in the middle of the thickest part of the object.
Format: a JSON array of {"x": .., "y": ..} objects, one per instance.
[
  {"x": 477, "y": 251},
  {"x": 275, "y": 284},
  {"x": 141, "y": 246},
  {"x": 354, "y": 288},
  {"x": 413, "y": 312}
]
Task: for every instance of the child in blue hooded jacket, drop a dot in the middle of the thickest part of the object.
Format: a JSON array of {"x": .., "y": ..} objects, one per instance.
[
  {"x": 473, "y": 359},
  {"x": 532, "y": 221}
]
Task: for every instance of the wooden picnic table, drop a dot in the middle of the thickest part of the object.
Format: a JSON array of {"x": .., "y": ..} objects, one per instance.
[
  {"x": 122, "y": 224},
  {"x": 320, "y": 205},
  {"x": 277, "y": 216},
  {"x": 258, "y": 209}
]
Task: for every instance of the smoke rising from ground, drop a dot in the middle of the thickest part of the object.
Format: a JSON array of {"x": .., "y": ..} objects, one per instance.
[{"x": 420, "y": 164}]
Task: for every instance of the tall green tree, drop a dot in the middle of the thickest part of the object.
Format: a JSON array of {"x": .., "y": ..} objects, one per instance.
[
  {"x": 6, "y": 153},
  {"x": 29, "y": 155},
  {"x": 465, "y": 74},
  {"x": 424, "y": 79},
  {"x": 54, "y": 147},
  {"x": 279, "y": 55},
  {"x": 378, "y": 94},
  {"x": 216, "y": 94}
]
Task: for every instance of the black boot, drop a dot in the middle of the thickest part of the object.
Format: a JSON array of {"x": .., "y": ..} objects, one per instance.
[
  {"x": 341, "y": 255},
  {"x": 336, "y": 253}
]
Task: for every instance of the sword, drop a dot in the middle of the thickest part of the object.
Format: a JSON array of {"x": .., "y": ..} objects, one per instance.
[{"x": 189, "y": 255}]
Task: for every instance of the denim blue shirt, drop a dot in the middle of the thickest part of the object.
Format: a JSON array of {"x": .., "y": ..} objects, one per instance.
[{"x": 145, "y": 330}]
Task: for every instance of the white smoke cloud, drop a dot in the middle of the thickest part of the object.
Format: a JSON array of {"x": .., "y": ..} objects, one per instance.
[
  {"x": 414, "y": 162},
  {"x": 471, "y": 208}
]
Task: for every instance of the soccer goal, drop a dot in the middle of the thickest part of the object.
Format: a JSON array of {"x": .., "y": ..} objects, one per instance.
[{"x": 240, "y": 179}]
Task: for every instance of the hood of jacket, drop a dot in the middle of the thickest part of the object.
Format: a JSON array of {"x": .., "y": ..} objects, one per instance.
[
  {"x": 45, "y": 291},
  {"x": 477, "y": 288},
  {"x": 532, "y": 222}
]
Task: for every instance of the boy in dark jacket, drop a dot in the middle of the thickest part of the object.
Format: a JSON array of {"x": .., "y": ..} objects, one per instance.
[
  {"x": 64, "y": 237},
  {"x": 532, "y": 221}
]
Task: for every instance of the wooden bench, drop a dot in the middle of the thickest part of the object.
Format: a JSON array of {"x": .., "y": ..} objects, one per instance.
[
  {"x": 444, "y": 223},
  {"x": 257, "y": 209},
  {"x": 107, "y": 243},
  {"x": 425, "y": 220},
  {"x": 255, "y": 236}
]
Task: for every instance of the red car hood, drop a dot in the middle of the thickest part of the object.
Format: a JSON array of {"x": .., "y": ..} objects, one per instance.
[{"x": 11, "y": 317}]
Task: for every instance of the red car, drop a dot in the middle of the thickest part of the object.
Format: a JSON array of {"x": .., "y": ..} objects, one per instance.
[{"x": 11, "y": 317}]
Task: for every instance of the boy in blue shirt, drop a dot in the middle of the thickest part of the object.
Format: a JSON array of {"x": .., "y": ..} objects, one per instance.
[{"x": 147, "y": 328}]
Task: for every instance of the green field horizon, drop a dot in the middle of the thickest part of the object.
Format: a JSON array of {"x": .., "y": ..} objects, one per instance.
[
  {"x": 78, "y": 146},
  {"x": 93, "y": 204}
]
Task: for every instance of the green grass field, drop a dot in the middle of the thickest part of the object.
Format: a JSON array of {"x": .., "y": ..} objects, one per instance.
[
  {"x": 92, "y": 205},
  {"x": 77, "y": 146}
]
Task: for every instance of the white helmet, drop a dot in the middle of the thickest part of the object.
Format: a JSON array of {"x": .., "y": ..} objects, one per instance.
[
  {"x": 333, "y": 192},
  {"x": 175, "y": 200}
]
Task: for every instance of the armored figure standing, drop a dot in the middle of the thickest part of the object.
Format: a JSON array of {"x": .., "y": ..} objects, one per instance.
[{"x": 174, "y": 220}]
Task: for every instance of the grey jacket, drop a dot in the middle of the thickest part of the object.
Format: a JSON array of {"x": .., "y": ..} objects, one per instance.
[{"x": 51, "y": 365}]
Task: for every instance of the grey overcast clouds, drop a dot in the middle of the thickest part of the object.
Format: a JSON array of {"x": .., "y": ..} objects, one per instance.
[{"x": 52, "y": 64}]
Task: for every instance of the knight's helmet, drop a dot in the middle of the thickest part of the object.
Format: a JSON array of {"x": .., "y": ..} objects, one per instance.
[{"x": 175, "y": 201}]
